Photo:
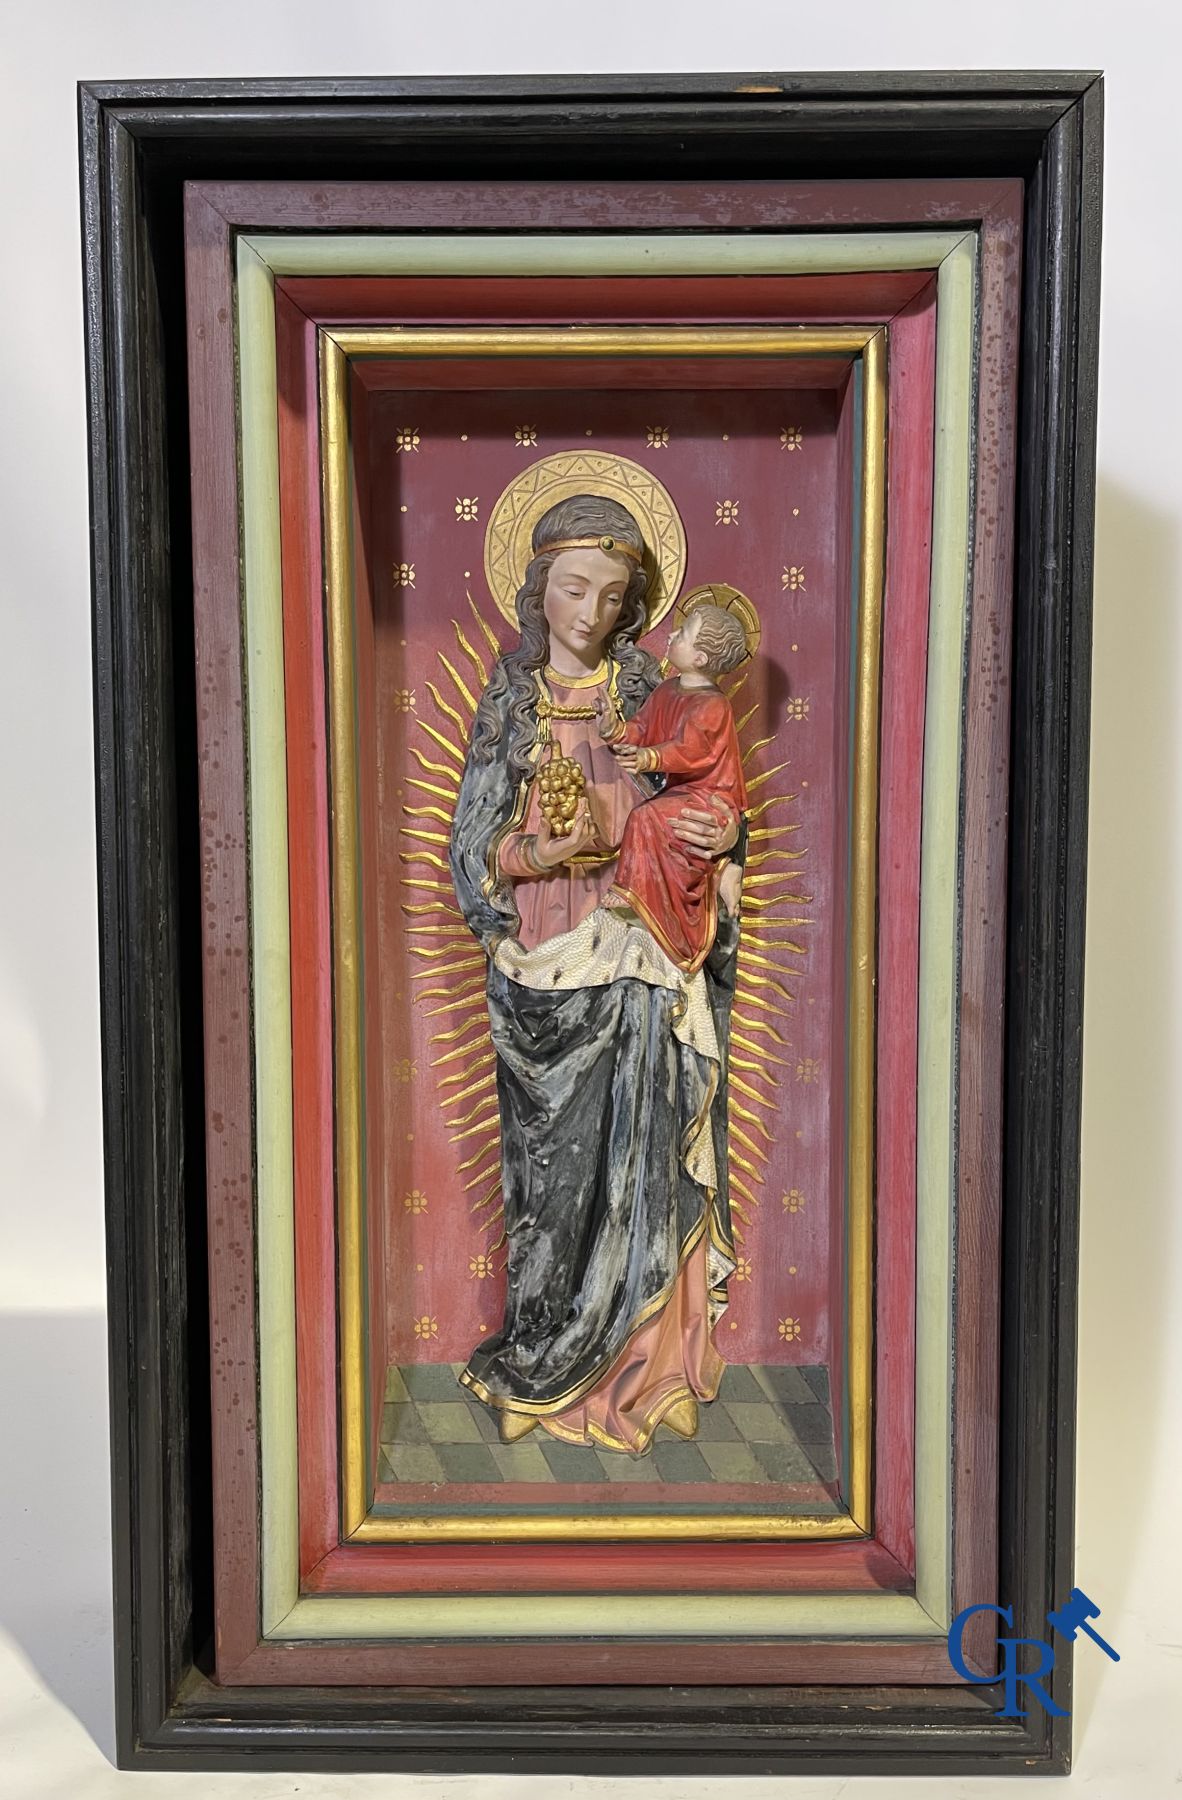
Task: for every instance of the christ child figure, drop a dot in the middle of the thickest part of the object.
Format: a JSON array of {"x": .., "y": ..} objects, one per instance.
[{"x": 685, "y": 731}]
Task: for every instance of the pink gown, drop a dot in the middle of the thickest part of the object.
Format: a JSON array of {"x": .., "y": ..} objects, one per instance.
[{"x": 671, "y": 1356}]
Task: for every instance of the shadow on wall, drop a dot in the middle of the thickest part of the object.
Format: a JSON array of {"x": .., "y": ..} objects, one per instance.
[
  {"x": 55, "y": 1521},
  {"x": 1131, "y": 1051}
]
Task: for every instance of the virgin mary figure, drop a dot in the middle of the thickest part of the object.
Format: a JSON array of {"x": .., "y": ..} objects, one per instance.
[{"x": 610, "y": 1061}]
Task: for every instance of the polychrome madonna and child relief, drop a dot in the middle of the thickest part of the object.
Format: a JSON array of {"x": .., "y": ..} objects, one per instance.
[
  {"x": 608, "y": 910},
  {"x": 617, "y": 1062}
]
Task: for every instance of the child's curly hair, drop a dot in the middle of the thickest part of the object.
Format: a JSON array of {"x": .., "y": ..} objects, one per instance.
[{"x": 720, "y": 637}]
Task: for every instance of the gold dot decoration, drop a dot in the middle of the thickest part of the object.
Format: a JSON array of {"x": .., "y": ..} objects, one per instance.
[
  {"x": 742, "y": 1268},
  {"x": 794, "y": 1200},
  {"x": 480, "y": 1267},
  {"x": 404, "y": 574},
  {"x": 406, "y": 439},
  {"x": 525, "y": 435},
  {"x": 793, "y": 578},
  {"x": 468, "y": 507},
  {"x": 426, "y": 1327},
  {"x": 797, "y": 709},
  {"x": 657, "y": 437},
  {"x": 726, "y": 512},
  {"x": 404, "y": 1068},
  {"x": 789, "y": 1330},
  {"x": 808, "y": 1069},
  {"x": 403, "y": 699},
  {"x": 415, "y": 1202},
  {"x": 791, "y": 437}
]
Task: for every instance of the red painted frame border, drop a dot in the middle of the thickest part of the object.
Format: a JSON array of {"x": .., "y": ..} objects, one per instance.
[
  {"x": 911, "y": 363},
  {"x": 214, "y": 212}
]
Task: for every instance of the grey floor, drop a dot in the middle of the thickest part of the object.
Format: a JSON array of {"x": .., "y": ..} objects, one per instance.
[{"x": 768, "y": 1426}]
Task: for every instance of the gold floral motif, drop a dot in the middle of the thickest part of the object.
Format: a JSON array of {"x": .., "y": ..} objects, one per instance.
[
  {"x": 808, "y": 1069},
  {"x": 481, "y": 1267},
  {"x": 404, "y": 574},
  {"x": 657, "y": 437},
  {"x": 791, "y": 437},
  {"x": 416, "y": 1201},
  {"x": 742, "y": 1268},
  {"x": 426, "y": 1327},
  {"x": 525, "y": 435},
  {"x": 793, "y": 578},
  {"x": 406, "y": 438},
  {"x": 403, "y": 699},
  {"x": 726, "y": 512},
  {"x": 404, "y": 1068},
  {"x": 789, "y": 1330},
  {"x": 794, "y": 1200},
  {"x": 798, "y": 708},
  {"x": 468, "y": 508}
]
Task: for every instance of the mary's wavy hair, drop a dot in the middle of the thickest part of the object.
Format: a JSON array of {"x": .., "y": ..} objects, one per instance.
[{"x": 582, "y": 516}]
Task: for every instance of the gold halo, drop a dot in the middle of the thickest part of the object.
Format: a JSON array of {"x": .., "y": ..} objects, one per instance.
[
  {"x": 508, "y": 541},
  {"x": 719, "y": 593}
]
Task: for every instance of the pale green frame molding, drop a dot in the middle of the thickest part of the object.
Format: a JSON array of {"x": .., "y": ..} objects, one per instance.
[{"x": 285, "y": 1613}]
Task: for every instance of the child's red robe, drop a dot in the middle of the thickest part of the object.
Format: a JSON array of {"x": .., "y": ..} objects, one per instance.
[{"x": 692, "y": 733}]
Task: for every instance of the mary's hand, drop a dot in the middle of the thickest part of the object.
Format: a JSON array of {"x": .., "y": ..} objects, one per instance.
[
  {"x": 548, "y": 850},
  {"x": 707, "y": 834}
]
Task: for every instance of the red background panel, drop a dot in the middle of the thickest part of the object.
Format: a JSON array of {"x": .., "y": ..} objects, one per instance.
[{"x": 725, "y": 459}]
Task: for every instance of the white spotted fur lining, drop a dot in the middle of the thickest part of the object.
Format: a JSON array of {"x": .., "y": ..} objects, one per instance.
[{"x": 612, "y": 945}]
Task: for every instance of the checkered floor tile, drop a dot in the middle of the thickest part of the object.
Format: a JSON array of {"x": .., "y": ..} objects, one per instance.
[{"x": 768, "y": 1426}]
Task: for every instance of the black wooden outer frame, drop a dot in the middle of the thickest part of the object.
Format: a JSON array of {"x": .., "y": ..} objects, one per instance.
[{"x": 139, "y": 142}]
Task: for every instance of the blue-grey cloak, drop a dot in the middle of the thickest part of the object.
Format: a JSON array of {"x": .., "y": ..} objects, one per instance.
[{"x": 596, "y": 1096}]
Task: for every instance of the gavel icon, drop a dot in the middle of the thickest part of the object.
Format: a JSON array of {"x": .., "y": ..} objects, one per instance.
[{"x": 1073, "y": 1616}]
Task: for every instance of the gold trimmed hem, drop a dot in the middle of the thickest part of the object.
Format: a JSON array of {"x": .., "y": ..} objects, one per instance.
[
  {"x": 647, "y": 1430},
  {"x": 540, "y": 1408},
  {"x": 658, "y": 933}
]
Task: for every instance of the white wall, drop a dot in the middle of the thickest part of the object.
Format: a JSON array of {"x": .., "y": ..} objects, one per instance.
[{"x": 54, "y": 1700}]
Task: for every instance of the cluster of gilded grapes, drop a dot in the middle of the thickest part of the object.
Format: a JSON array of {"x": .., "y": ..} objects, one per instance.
[{"x": 561, "y": 785}]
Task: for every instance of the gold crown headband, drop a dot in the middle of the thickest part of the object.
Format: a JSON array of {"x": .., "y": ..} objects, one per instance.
[{"x": 611, "y": 544}]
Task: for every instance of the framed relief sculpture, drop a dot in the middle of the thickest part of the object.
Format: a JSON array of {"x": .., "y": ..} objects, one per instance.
[{"x": 609, "y": 722}]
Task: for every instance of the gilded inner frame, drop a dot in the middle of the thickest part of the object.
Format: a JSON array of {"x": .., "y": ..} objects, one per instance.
[{"x": 338, "y": 347}]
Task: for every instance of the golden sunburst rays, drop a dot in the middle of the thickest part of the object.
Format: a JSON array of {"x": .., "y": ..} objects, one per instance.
[
  {"x": 449, "y": 967},
  {"x": 772, "y": 940}
]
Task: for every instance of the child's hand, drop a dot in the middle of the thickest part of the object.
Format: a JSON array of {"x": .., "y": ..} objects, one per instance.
[
  {"x": 607, "y": 718},
  {"x": 628, "y": 756}
]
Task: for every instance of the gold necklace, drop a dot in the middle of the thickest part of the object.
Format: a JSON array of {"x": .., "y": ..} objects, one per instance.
[{"x": 577, "y": 681}]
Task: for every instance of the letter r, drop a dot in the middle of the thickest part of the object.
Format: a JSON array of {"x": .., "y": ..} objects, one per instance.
[{"x": 1013, "y": 1680}]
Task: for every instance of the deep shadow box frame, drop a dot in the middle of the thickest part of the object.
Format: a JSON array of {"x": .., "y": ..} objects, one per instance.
[{"x": 140, "y": 142}]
